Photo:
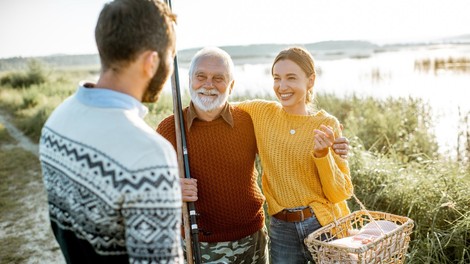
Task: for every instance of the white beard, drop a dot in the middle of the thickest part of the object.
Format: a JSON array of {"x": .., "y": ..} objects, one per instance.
[{"x": 208, "y": 103}]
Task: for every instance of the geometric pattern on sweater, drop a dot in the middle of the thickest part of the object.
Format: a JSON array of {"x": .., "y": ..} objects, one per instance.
[{"x": 117, "y": 210}]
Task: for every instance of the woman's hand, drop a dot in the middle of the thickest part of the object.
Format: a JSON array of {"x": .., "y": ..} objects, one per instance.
[
  {"x": 324, "y": 139},
  {"x": 341, "y": 147}
]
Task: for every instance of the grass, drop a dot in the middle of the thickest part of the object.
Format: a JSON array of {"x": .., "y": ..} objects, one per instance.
[
  {"x": 26, "y": 235},
  {"x": 431, "y": 192},
  {"x": 9, "y": 206},
  {"x": 5, "y": 137},
  {"x": 396, "y": 126},
  {"x": 394, "y": 162},
  {"x": 32, "y": 105}
]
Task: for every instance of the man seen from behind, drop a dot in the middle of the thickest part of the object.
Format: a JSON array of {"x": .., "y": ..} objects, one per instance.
[{"x": 113, "y": 191}]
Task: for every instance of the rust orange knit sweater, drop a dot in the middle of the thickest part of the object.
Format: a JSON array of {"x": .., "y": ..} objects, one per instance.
[{"x": 221, "y": 158}]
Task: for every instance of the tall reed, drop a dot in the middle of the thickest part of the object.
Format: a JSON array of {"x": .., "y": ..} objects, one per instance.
[{"x": 393, "y": 159}]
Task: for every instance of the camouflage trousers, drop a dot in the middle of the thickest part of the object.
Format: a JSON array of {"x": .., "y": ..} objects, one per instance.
[{"x": 252, "y": 249}]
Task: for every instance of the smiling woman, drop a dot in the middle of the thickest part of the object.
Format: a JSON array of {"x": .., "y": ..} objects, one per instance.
[
  {"x": 305, "y": 183},
  {"x": 289, "y": 85}
]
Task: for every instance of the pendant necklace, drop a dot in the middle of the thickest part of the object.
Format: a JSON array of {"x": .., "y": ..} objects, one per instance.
[{"x": 292, "y": 131}]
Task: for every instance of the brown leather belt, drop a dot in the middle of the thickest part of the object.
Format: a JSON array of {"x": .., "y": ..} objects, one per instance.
[{"x": 294, "y": 216}]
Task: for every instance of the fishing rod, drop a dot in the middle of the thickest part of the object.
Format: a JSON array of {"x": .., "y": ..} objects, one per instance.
[{"x": 193, "y": 251}]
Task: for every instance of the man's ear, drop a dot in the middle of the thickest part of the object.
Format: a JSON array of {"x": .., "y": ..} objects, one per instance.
[{"x": 151, "y": 62}]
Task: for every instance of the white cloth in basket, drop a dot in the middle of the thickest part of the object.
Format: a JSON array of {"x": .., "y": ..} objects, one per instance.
[{"x": 366, "y": 234}]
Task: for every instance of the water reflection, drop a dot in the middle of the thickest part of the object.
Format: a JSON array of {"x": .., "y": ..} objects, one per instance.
[
  {"x": 460, "y": 64},
  {"x": 377, "y": 75}
]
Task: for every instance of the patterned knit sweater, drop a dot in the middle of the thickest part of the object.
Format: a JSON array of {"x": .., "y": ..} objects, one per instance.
[
  {"x": 292, "y": 176},
  {"x": 221, "y": 158},
  {"x": 112, "y": 185}
]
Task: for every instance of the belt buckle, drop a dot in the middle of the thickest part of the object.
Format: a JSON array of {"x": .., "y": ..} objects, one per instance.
[{"x": 302, "y": 217}]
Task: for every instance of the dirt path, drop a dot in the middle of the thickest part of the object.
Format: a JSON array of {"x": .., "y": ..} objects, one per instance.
[
  {"x": 29, "y": 221},
  {"x": 22, "y": 140}
]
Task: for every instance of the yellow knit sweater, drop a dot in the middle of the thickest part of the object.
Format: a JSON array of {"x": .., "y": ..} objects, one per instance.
[{"x": 292, "y": 176}]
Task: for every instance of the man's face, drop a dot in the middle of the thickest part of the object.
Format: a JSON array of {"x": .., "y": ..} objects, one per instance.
[
  {"x": 155, "y": 86},
  {"x": 210, "y": 85}
]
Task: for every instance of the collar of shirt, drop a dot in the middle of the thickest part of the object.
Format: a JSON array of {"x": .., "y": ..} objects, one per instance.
[
  {"x": 225, "y": 114},
  {"x": 105, "y": 98}
]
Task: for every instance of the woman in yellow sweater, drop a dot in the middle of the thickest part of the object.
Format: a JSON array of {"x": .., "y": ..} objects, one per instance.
[{"x": 305, "y": 183}]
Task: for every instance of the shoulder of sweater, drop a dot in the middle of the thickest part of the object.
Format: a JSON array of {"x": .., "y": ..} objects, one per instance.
[
  {"x": 166, "y": 128},
  {"x": 166, "y": 121},
  {"x": 236, "y": 110},
  {"x": 240, "y": 116},
  {"x": 152, "y": 144},
  {"x": 325, "y": 114},
  {"x": 130, "y": 141},
  {"x": 148, "y": 136},
  {"x": 169, "y": 121},
  {"x": 327, "y": 117}
]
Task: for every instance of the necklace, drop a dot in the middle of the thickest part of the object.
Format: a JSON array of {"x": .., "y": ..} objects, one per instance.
[{"x": 292, "y": 131}]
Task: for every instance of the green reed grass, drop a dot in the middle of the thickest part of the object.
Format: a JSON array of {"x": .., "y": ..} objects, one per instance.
[
  {"x": 394, "y": 162},
  {"x": 431, "y": 192},
  {"x": 5, "y": 137},
  {"x": 399, "y": 126},
  {"x": 35, "y": 74}
]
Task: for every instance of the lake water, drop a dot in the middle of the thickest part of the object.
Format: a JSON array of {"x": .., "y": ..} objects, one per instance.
[{"x": 413, "y": 72}]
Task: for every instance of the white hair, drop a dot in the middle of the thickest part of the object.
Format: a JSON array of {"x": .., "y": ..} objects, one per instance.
[{"x": 216, "y": 53}]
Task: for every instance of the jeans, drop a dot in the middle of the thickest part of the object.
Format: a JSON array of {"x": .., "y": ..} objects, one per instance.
[{"x": 287, "y": 240}]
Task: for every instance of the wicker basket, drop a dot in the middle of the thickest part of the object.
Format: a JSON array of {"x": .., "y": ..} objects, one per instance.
[{"x": 388, "y": 248}]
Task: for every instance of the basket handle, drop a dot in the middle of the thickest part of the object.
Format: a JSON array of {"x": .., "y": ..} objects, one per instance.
[
  {"x": 362, "y": 206},
  {"x": 372, "y": 220}
]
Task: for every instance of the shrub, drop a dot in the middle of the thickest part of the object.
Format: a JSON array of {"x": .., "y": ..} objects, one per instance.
[
  {"x": 396, "y": 126},
  {"x": 31, "y": 107},
  {"x": 32, "y": 123},
  {"x": 433, "y": 193},
  {"x": 34, "y": 75}
]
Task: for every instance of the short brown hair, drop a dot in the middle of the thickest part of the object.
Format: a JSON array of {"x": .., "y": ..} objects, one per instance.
[
  {"x": 301, "y": 57},
  {"x": 125, "y": 28}
]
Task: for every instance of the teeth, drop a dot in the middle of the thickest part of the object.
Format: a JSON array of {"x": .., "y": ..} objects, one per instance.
[
  {"x": 286, "y": 95},
  {"x": 209, "y": 94}
]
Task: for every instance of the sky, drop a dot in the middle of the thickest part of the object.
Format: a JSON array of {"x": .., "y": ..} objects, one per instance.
[{"x": 47, "y": 27}]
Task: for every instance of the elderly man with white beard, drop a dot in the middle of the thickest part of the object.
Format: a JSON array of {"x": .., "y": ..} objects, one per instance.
[{"x": 222, "y": 150}]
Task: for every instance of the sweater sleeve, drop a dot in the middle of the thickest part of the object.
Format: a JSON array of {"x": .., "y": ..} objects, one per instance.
[
  {"x": 252, "y": 107},
  {"x": 150, "y": 235},
  {"x": 334, "y": 173},
  {"x": 151, "y": 210}
]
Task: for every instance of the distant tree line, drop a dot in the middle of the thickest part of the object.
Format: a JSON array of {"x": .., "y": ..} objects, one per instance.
[{"x": 21, "y": 63}]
